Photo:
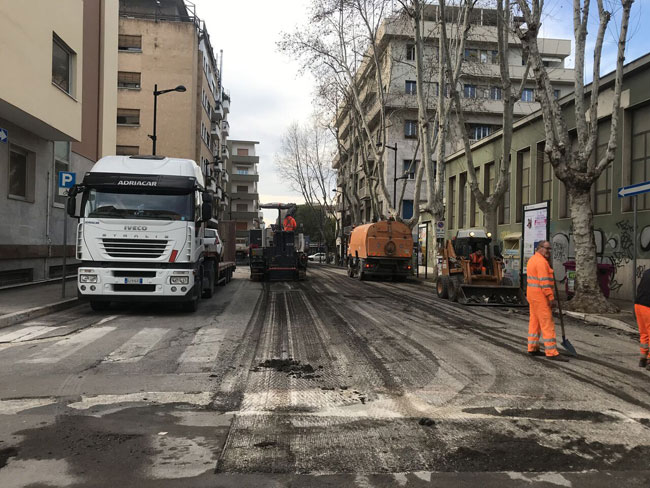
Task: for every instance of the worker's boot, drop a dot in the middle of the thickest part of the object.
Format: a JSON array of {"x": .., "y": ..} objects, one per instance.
[
  {"x": 559, "y": 358},
  {"x": 643, "y": 362},
  {"x": 536, "y": 353}
]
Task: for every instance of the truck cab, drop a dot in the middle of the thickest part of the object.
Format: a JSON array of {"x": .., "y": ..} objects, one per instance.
[{"x": 141, "y": 227}]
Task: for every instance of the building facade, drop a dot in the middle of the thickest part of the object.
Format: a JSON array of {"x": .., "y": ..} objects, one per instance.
[
  {"x": 164, "y": 45},
  {"x": 480, "y": 93},
  {"x": 57, "y": 112},
  {"x": 532, "y": 180},
  {"x": 243, "y": 203}
]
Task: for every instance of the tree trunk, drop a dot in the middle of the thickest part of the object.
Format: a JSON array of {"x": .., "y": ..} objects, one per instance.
[
  {"x": 588, "y": 296},
  {"x": 491, "y": 227}
]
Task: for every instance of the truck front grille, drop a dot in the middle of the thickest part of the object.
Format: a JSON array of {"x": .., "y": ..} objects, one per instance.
[
  {"x": 134, "y": 248},
  {"x": 137, "y": 288}
]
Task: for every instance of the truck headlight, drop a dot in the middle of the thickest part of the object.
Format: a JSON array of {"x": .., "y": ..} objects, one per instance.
[
  {"x": 88, "y": 278},
  {"x": 179, "y": 280}
]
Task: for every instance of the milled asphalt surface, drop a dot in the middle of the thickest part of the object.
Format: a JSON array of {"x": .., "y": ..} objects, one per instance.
[{"x": 324, "y": 382}]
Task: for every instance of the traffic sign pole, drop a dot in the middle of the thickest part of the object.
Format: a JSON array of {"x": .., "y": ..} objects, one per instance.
[{"x": 65, "y": 253}]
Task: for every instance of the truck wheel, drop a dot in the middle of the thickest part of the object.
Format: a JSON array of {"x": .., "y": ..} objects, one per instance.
[
  {"x": 442, "y": 286},
  {"x": 452, "y": 288},
  {"x": 350, "y": 269},
  {"x": 361, "y": 276},
  {"x": 209, "y": 291},
  {"x": 98, "y": 306}
]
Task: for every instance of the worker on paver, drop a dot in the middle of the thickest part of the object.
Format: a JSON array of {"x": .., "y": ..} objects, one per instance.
[
  {"x": 539, "y": 293},
  {"x": 289, "y": 223},
  {"x": 477, "y": 262},
  {"x": 642, "y": 312}
]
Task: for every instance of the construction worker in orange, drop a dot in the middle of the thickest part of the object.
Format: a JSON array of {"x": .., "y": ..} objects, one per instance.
[
  {"x": 539, "y": 293},
  {"x": 642, "y": 312},
  {"x": 477, "y": 262},
  {"x": 289, "y": 223}
]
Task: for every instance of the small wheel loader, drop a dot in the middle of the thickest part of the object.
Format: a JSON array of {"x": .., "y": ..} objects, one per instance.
[{"x": 460, "y": 282}]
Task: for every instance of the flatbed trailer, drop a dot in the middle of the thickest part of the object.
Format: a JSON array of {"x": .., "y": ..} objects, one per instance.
[{"x": 226, "y": 271}]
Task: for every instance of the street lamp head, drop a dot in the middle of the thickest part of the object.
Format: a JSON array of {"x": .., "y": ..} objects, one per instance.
[{"x": 180, "y": 88}]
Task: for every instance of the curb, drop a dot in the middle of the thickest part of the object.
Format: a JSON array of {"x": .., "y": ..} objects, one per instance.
[
  {"x": 600, "y": 320},
  {"x": 31, "y": 313}
]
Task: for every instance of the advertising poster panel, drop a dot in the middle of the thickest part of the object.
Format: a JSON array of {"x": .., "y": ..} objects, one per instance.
[{"x": 536, "y": 227}]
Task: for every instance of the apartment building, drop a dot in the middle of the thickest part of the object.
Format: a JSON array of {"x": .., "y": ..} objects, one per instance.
[
  {"x": 481, "y": 94},
  {"x": 532, "y": 180},
  {"x": 164, "y": 46},
  {"x": 57, "y": 113},
  {"x": 243, "y": 201}
]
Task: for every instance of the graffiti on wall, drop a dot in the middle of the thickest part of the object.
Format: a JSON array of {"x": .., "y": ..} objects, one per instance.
[
  {"x": 621, "y": 244},
  {"x": 560, "y": 243}
]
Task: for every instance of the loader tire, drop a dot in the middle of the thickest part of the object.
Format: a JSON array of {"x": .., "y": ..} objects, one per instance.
[
  {"x": 453, "y": 288},
  {"x": 442, "y": 286},
  {"x": 507, "y": 281},
  {"x": 360, "y": 266}
]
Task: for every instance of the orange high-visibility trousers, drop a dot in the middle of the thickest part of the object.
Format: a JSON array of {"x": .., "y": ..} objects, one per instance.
[
  {"x": 643, "y": 320},
  {"x": 541, "y": 321}
]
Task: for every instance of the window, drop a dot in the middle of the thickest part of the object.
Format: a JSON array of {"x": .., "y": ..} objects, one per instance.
[
  {"x": 128, "y": 116},
  {"x": 407, "y": 169},
  {"x": 61, "y": 163},
  {"x": 242, "y": 207},
  {"x": 477, "y": 132},
  {"x": 431, "y": 88},
  {"x": 528, "y": 95},
  {"x": 602, "y": 203},
  {"x": 128, "y": 79},
  {"x": 462, "y": 201},
  {"x": 556, "y": 94},
  {"x": 407, "y": 209},
  {"x": 242, "y": 171},
  {"x": 523, "y": 181},
  {"x": 471, "y": 54},
  {"x": 451, "y": 204},
  {"x": 242, "y": 189},
  {"x": 18, "y": 172},
  {"x": 544, "y": 174},
  {"x": 127, "y": 150},
  {"x": 242, "y": 151},
  {"x": 410, "y": 52},
  {"x": 495, "y": 93},
  {"x": 410, "y": 129},
  {"x": 469, "y": 91},
  {"x": 130, "y": 43},
  {"x": 62, "y": 59},
  {"x": 411, "y": 87},
  {"x": 640, "y": 164}
]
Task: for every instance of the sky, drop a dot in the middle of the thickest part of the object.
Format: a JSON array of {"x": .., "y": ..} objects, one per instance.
[{"x": 268, "y": 93}]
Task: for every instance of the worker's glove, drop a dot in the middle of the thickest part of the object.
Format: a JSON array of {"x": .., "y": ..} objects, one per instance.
[{"x": 553, "y": 304}]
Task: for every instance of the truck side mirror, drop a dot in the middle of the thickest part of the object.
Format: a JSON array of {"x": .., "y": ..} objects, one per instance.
[
  {"x": 206, "y": 207},
  {"x": 71, "y": 203}
]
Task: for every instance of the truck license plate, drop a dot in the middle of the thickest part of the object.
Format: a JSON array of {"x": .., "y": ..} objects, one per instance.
[{"x": 132, "y": 281}]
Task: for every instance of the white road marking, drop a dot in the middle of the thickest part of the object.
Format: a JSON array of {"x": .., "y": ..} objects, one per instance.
[
  {"x": 26, "y": 333},
  {"x": 203, "y": 349},
  {"x": 137, "y": 347},
  {"x": 68, "y": 346}
]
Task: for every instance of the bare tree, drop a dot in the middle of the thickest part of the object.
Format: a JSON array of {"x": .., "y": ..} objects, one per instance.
[
  {"x": 304, "y": 162},
  {"x": 573, "y": 161}
]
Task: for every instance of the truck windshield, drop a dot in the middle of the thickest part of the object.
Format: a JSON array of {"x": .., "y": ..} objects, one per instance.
[{"x": 104, "y": 204}]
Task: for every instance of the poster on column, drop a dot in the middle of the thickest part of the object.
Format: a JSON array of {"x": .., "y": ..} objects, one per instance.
[{"x": 536, "y": 227}]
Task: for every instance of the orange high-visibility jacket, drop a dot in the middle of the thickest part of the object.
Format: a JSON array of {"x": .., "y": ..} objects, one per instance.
[
  {"x": 539, "y": 278},
  {"x": 289, "y": 224},
  {"x": 477, "y": 263}
]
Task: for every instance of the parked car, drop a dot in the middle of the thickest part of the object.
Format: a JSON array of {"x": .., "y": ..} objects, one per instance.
[{"x": 319, "y": 256}]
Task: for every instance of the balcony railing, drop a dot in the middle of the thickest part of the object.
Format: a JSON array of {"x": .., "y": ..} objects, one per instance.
[{"x": 225, "y": 128}]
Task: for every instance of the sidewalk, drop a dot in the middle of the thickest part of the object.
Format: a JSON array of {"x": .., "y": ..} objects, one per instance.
[{"x": 21, "y": 303}]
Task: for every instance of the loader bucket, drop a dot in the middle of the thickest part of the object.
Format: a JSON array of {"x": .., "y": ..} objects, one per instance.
[{"x": 492, "y": 295}]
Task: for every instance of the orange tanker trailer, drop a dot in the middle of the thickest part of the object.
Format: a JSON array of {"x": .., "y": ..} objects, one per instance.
[{"x": 382, "y": 249}]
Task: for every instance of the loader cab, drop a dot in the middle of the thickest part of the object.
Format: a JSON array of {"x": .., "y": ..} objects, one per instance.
[{"x": 468, "y": 241}]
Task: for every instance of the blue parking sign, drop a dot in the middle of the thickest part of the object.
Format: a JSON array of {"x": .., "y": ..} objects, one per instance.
[{"x": 67, "y": 179}]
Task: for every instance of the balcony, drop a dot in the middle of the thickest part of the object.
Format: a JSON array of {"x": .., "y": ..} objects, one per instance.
[
  {"x": 214, "y": 129},
  {"x": 245, "y": 160},
  {"x": 245, "y": 216},
  {"x": 225, "y": 128},
  {"x": 245, "y": 178},
  {"x": 244, "y": 196},
  {"x": 225, "y": 177},
  {"x": 226, "y": 103},
  {"x": 217, "y": 112},
  {"x": 225, "y": 153}
]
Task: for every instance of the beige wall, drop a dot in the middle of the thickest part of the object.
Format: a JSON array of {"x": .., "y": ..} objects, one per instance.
[
  {"x": 26, "y": 90},
  {"x": 108, "y": 78},
  {"x": 168, "y": 58}
]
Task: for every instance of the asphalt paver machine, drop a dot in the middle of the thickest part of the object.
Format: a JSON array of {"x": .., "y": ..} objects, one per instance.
[
  {"x": 281, "y": 257},
  {"x": 459, "y": 283}
]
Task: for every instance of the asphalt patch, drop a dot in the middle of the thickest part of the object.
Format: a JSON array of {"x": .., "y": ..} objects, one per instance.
[
  {"x": 544, "y": 414},
  {"x": 5, "y": 454},
  {"x": 290, "y": 366}
]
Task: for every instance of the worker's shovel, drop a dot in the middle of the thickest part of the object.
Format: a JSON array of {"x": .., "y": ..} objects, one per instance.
[{"x": 566, "y": 344}]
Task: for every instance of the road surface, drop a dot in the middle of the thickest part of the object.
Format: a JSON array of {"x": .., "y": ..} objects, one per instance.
[{"x": 325, "y": 382}]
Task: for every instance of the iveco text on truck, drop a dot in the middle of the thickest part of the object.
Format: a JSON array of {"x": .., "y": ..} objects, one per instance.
[{"x": 141, "y": 229}]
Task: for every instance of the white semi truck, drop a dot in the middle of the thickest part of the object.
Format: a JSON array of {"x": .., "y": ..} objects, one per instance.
[{"x": 141, "y": 232}]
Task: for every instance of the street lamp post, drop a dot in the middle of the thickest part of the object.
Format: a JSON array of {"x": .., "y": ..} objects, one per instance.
[{"x": 156, "y": 93}]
